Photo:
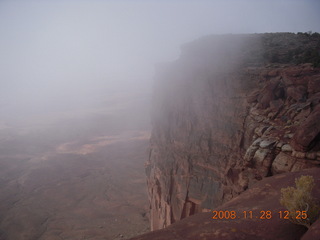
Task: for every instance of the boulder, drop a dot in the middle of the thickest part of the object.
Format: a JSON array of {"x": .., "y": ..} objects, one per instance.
[
  {"x": 282, "y": 163},
  {"x": 307, "y": 135}
]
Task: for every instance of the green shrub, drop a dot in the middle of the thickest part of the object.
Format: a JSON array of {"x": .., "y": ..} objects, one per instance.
[{"x": 300, "y": 199}]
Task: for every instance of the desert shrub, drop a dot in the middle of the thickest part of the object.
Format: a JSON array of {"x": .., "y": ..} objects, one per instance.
[
  {"x": 300, "y": 199},
  {"x": 310, "y": 55},
  {"x": 315, "y": 34}
]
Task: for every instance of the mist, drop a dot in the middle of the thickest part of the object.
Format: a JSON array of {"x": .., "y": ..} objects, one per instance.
[
  {"x": 70, "y": 54},
  {"x": 76, "y": 90}
]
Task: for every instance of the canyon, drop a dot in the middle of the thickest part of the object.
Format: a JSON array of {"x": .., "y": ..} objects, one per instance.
[
  {"x": 232, "y": 111},
  {"x": 234, "y": 119}
]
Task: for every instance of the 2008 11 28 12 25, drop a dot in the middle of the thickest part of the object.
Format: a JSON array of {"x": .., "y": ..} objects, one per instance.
[{"x": 263, "y": 214}]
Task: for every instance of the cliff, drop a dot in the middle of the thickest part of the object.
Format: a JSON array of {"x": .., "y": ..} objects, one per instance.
[{"x": 231, "y": 111}]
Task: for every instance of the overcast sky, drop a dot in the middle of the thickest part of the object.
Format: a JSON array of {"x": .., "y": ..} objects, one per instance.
[{"x": 52, "y": 50}]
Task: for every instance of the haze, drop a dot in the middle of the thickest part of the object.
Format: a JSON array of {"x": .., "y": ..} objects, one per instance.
[
  {"x": 56, "y": 54},
  {"x": 76, "y": 83}
]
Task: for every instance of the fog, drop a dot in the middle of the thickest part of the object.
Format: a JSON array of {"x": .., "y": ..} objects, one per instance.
[
  {"x": 68, "y": 54},
  {"x": 76, "y": 85}
]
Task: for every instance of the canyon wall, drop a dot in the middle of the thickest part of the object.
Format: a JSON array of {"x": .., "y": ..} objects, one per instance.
[{"x": 232, "y": 110}]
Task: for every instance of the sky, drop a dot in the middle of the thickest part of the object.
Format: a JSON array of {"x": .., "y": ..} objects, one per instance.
[{"x": 54, "y": 52}]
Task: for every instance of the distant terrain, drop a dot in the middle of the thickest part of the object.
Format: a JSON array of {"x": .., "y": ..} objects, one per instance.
[{"x": 75, "y": 174}]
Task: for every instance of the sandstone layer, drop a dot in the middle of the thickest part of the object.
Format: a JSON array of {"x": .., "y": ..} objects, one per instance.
[
  {"x": 229, "y": 112},
  {"x": 260, "y": 198}
]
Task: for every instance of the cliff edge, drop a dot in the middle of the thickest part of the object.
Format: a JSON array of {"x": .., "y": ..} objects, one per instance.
[
  {"x": 231, "y": 111},
  {"x": 257, "y": 215}
]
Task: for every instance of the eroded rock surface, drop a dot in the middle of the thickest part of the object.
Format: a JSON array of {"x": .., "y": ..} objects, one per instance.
[
  {"x": 313, "y": 232},
  {"x": 262, "y": 197},
  {"x": 225, "y": 116}
]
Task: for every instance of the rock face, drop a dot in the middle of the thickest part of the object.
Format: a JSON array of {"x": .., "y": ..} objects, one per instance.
[
  {"x": 251, "y": 221},
  {"x": 313, "y": 232},
  {"x": 227, "y": 114}
]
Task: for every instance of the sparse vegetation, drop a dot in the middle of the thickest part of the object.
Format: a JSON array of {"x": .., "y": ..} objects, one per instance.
[
  {"x": 312, "y": 56},
  {"x": 300, "y": 200},
  {"x": 292, "y": 48}
]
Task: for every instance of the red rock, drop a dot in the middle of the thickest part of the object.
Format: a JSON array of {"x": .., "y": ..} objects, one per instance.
[
  {"x": 315, "y": 99},
  {"x": 273, "y": 73},
  {"x": 207, "y": 107},
  {"x": 292, "y": 72},
  {"x": 275, "y": 105},
  {"x": 297, "y": 93},
  {"x": 296, "y": 75},
  {"x": 265, "y": 98},
  {"x": 314, "y": 85},
  {"x": 313, "y": 233},
  {"x": 253, "y": 97},
  {"x": 307, "y": 135},
  {"x": 268, "y": 93},
  {"x": 260, "y": 198}
]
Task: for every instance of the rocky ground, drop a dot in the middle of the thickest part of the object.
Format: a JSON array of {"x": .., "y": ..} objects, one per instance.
[{"x": 262, "y": 197}]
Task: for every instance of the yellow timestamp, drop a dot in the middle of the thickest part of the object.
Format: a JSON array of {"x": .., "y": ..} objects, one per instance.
[{"x": 263, "y": 214}]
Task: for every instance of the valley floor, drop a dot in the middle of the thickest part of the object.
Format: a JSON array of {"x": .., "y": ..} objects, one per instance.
[{"x": 92, "y": 187}]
